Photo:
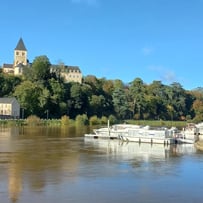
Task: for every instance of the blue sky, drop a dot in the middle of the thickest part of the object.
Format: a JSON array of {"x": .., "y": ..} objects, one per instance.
[{"x": 115, "y": 39}]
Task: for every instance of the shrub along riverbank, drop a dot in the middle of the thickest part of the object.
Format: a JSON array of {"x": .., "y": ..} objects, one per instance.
[{"x": 84, "y": 120}]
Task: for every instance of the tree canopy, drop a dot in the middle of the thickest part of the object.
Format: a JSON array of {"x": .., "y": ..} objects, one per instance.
[{"x": 39, "y": 91}]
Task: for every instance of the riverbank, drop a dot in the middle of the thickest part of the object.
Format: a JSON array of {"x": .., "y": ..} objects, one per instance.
[
  {"x": 199, "y": 145},
  {"x": 33, "y": 120}
]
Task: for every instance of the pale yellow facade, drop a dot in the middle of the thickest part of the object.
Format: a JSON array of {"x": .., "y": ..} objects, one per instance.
[
  {"x": 20, "y": 57},
  {"x": 72, "y": 76},
  {"x": 9, "y": 107},
  {"x": 18, "y": 70},
  {"x": 8, "y": 70}
]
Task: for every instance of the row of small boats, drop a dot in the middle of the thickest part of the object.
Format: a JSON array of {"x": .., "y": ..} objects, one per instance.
[{"x": 148, "y": 134}]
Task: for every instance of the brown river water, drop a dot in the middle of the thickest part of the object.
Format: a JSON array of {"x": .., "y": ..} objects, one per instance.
[{"x": 59, "y": 165}]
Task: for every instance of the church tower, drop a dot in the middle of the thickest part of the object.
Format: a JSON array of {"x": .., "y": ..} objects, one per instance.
[{"x": 20, "y": 54}]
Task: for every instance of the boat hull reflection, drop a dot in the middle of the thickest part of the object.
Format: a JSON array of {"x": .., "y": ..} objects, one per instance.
[
  {"x": 145, "y": 151},
  {"x": 129, "y": 149}
]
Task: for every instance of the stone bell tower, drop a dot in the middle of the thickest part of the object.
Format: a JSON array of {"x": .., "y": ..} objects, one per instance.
[{"x": 20, "y": 54}]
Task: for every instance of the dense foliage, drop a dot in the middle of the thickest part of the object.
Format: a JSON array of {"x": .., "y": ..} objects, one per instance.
[{"x": 43, "y": 93}]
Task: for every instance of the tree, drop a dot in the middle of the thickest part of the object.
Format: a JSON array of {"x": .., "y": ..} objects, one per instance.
[
  {"x": 156, "y": 99},
  {"x": 78, "y": 101},
  {"x": 94, "y": 83},
  {"x": 198, "y": 108},
  {"x": 29, "y": 95},
  {"x": 97, "y": 105},
  {"x": 137, "y": 91},
  {"x": 57, "y": 90},
  {"x": 177, "y": 100},
  {"x": 108, "y": 86},
  {"x": 57, "y": 105},
  {"x": 120, "y": 103},
  {"x": 41, "y": 68},
  {"x": 8, "y": 84}
]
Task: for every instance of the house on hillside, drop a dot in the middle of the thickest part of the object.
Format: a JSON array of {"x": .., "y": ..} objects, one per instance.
[
  {"x": 68, "y": 73},
  {"x": 9, "y": 108},
  {"x": 71, "y": 74}
]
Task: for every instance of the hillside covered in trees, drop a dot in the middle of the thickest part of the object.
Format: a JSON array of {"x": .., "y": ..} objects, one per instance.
[{"x": 40, "y": 91}]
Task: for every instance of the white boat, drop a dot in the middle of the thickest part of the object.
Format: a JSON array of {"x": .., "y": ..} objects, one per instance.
[
  {"x": 189, "y": 134},
  {"x": 200, "y": 130},
  {"x": 102, "y": 133},
  {"x": 148, "y": 134},
  {"x": 113, "y": 132}
]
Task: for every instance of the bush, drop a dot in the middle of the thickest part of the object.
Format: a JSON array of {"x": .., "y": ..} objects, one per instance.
[
  {"x": 33, "y": 120},
  {"x": 104, "y": 120},
  {"x": 64, "y": 120},
  {"x": 112, "y": 119},
  {"x": 81, "y": 119},
  {"x": 94, "y": 120}
]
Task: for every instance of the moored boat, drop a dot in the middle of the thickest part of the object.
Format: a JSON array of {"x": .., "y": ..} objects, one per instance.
[
  {"x": 147, "y": 134},
  {"x": 114, "y": 132},
  {"x": 189, "y": 134},
  {"x": 151, "y": 135}
]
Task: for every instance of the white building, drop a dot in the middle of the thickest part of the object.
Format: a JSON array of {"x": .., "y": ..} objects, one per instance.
[{"x": 9, "y": 108}]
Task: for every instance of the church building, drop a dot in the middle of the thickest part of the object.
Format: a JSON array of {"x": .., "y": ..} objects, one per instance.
[
  {"x": 20, "y": 60},
  {"x": 69, "y": 73}
]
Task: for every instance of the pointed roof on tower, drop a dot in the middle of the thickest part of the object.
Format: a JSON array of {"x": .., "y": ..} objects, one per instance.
[{"x": 21, "y": 46}]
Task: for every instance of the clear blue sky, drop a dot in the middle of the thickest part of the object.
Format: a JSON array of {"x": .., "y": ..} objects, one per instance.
[{"x": 115, "y": 39}]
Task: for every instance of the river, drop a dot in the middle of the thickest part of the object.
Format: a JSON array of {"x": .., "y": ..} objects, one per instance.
[{"x": 56, "y": 164}]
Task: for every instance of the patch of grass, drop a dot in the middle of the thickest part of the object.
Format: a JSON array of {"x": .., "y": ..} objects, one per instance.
[{"x": 158, "y": 123}]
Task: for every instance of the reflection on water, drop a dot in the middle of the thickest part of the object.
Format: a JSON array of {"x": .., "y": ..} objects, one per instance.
[
  {"x": 36, "y": 160},
  {"x": 144, "y": 151},
  {"x": 37, "y": 155},
  {"x": 129, "y": 150},
  {"x": 141, "y": 156}
]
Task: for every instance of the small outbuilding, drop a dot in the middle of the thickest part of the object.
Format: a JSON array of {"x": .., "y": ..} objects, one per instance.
[{"x": 9, "y": 108}]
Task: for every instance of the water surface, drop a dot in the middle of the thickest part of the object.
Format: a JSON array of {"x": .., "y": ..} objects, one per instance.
[{"x": 49, "y": 165}]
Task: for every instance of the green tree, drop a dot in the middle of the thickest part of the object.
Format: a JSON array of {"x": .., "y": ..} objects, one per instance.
[
  {"x": 78, "y": 101},
  {"x": 41, "y": 68},
  {"x": 198, "y": 108},
  {"x": 94, "y": 83},
  {"x": 29, "y": 97},
  {"x": 120, "y": 103},
  {"x": 176, "y": 99},
  {"x": 8, "y": 84},
  {"x": 107, "y": 86},
  {"x": 155, "y": 100},
  {"x": 57, "y": 106},
  {"x": 137, "y": 91},
  {"x": 97, "y": 105}
]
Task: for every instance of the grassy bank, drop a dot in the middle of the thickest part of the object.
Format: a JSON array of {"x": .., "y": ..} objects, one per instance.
[
  {"x": 58, "y": 122},
  {"x": 158, "y": 123}
]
